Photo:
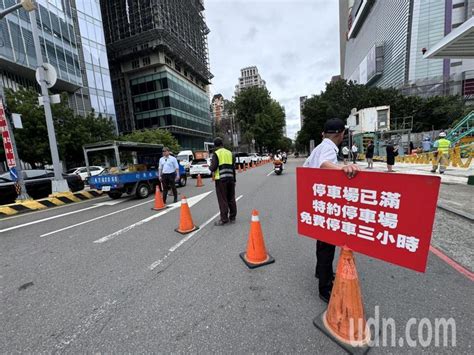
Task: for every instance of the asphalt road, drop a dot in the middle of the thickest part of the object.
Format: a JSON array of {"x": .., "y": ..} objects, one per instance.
[{"x": 118, "y": 278}]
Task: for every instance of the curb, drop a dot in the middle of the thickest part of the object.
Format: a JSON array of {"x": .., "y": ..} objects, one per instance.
[
  {"x": 463, "y": 214},
  {"x": 55, "y": 200}
]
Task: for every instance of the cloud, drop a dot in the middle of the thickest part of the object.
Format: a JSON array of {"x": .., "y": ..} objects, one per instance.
[{"x": 294, "y": 44}]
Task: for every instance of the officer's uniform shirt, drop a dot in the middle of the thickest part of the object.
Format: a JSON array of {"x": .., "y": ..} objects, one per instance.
[
  {"x": 325, "y": 151},
  {"x": 168, "y": 165}
]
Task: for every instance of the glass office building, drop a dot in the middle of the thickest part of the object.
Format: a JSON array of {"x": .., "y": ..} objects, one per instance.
[
  {"x": 165, "y": 100},
  {"x": 58, "y": 38},
  {"x": 159, "y": 65},
  {"x": 98, "y": 85}
]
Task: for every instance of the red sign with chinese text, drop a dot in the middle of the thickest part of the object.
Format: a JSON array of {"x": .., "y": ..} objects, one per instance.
[
  {"x": 383, "y": 215},
  {"x": 7, "y": 143}
]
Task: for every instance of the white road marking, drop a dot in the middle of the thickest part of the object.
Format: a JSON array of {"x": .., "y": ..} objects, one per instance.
[
  {"x": 184, "y": 240},
  {"x": 191, "y": 202},
  {"x": 271, "y": 172},
  {"x": 94, "y": 219}
]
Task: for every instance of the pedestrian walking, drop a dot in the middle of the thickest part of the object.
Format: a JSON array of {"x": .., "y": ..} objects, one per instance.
[
  {"x": 426, "y": 145},
  {"x": 442, "y": 146},
  {"x": 223, "y": 167},
  {"x": 168, "y": 173},
  {"x": 345, "y": 154},
  {"x": 392, "y": 152},
  {"x": 354, "y": 151},
  {"x": 369, "y": 155},
  {"x": 325, "y": 156}
]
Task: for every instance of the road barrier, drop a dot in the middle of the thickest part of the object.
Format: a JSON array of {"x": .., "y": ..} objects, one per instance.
[
  {"x": 186, "y": 224},
  {"x": 52, "y": 201},
  {"x": 256, "y": 254}
]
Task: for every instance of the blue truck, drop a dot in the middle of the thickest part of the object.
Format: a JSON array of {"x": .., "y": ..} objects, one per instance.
[{"x": 128, "y": 156}]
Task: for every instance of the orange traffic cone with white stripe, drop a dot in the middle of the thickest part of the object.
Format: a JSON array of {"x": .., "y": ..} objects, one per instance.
[
  {"x": 186, "y": 224},
  {"x": 159, "y": 204},
  {"x": 256, "y": 254},
  {"x": 344, "y": 320},
  {"x": 199, "y": 181}
]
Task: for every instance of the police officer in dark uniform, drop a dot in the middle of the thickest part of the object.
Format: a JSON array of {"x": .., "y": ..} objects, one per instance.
[{"x": 223, "y": 167}]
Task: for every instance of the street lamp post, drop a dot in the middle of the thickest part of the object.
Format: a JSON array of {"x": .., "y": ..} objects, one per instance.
[{"x": 58, "y": 183}]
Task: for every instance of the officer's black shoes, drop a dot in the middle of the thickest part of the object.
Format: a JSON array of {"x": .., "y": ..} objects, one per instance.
[
  {"x": 232, "y": 221},
  {"x": 325, "y": 296},
  {"x": 220, "y": 223},
  {"x": 317, "y": 275}
]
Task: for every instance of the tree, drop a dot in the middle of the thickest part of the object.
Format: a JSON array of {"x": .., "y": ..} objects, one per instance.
[
  {"x": 72, "y": 131},
  {"x": 340, "y": 97},
  {"x": 153, "y": 136}
]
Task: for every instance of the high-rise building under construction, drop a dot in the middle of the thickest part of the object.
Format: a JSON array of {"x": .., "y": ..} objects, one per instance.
[{"x": 159, "y": 65}]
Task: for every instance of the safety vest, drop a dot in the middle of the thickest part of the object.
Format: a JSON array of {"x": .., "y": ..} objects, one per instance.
[
  {"x": 443, "y": 146},
  {"x": 226, "y": 164}
]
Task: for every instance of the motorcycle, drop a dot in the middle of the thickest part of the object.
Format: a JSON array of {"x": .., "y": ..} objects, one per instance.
[{"x": 278, "y": 167}]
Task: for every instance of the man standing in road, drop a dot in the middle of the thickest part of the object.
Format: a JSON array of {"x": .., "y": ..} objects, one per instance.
[
  {"x": 441, "y": 147},
  {"x": 223, "y": 167},
  {"x": 369, "y": 155},
  {"x": 325, "y": 156},
  {"x": 168, "y": 173},
  {"x": 354, "y": 151}
]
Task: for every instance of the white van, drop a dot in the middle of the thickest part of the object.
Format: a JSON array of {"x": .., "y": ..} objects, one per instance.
[{"x": 185, "y": 158}]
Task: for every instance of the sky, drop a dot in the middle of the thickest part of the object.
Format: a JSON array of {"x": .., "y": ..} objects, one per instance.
[{"x": 294, "y": 44}]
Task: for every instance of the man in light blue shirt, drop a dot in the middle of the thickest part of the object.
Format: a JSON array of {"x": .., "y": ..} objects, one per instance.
[{"x": 168, "y": 173}]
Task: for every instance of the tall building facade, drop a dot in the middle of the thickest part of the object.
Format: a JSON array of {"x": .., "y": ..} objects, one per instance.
[
  {"x": 217, "y": 107},
  {"x": 158, "y": 59},
  {"x": 249, "y": 77},
  {"x": 384, "y": 43},
  {"x": 66, "y": 45},
  {"x": 59, "y": 40},
  {"x": 97, "y": 83}
]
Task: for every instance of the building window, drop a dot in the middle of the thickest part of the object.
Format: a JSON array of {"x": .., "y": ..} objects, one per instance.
[
  {"x": 168, "y": 61},
  {"x": 455, "y": 64},
  {"x": 135, "y": 64},
  {"x": 177, "y": 67},
  {"x": 146, "y": 61},
  {"x": 460, "y": 4}
]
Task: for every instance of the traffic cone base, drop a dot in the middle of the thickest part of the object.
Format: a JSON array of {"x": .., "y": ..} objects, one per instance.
[
  {"x": 344, "y": 320},
  {"x": 269, "y": 260},
  {"x": 354, "y": 347},
  {"x": 195, "y": 228},
  {"x": 160, "y": 208}
]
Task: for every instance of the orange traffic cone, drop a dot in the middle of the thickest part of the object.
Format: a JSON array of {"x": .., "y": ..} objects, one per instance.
[
  {"x": 240, "y": 168},
  {"x": 199, "y": 181},
  {"x": 186, "y": 224},
  {"x": 159, "y": 204},
  {"x": 344, "y": 321},
  {"x": 256, "y": 254}
]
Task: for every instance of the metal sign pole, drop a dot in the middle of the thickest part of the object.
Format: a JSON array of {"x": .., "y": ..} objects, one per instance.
[{"x": 58, "y": 183}]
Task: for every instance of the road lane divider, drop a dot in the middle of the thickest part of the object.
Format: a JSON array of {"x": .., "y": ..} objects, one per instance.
[
  {"x": 52, "y": 201},
  {"x": 175, "y": 247},
  {"x": 191, "y": 202}
]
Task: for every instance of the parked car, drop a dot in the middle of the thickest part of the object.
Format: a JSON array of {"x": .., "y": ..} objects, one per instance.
[
  {"x": 242, "y": 158},
  {"x": 256, "y": 158},
  {"x": 82, "y": 171},
  {"x": 200, "y": 166},
  {"x": 183, "y": 179},
  {"x": 38, "y": 184}
]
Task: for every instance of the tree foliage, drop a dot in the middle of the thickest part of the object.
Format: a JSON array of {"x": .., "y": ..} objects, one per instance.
[
  {"x": 72, "y": 131},
  {"x": 340, "y": 97},
  {"x": 153, "y": 136},
  {"x": 260, "y": 117}
]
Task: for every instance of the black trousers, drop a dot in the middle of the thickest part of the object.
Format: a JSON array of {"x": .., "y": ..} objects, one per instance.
[
  {"x": 169, "y": 182},
  {"x": 225, "y": 190},
  {"x": 324, "y": 258}
]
